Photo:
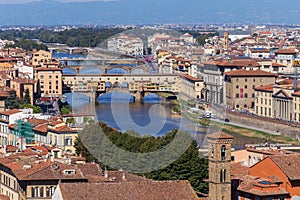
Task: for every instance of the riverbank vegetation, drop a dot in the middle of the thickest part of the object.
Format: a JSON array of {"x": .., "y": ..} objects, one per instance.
[
  {"x": 189, "y": 166},
  {"x": 81, "y": 37},
  {"x": 232, "y": 129}
]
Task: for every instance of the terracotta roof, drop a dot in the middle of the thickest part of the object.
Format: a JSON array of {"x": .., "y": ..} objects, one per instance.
[
  {"x": 274, "y": 64},
  {"x": 11, "y": 148},
  {"x": 190, "y": 77},
  {"x": 297, "y": 93},
  {"x": 250, "y": 73},
  {"x": 286, "y": 51},
  {"x": 238, "y": 170},
  {"x": 239, "y": 63},
  {"x": 10, "y": 112},
  {"x": 41, "y": 128},
  {"x": 260, "y": 187},
  {"x": 36, "y": 122},
  {"x": 136, "y": 190},
  {"x": 289, "y": 164},
  {"x": 260, "y": 50},
  {"x": 48, "y": 69},
  {"x": 3, "y": 197},
  {"x": 267, "y": 88},
  {"x": 219, "y": 135}
]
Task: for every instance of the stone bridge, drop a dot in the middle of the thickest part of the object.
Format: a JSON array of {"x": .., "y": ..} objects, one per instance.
[{"x": 138, "y": 85}]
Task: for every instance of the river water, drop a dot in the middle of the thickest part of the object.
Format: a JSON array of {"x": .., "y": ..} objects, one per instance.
[{"x": 151, "y": 117}]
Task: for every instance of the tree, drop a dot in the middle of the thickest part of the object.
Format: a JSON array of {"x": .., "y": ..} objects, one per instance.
[
  {"x": 36, "y": 109},
  {"x": 189, "y": 166},
  {"x": 26, "y": 98},
  {"x": 65, "y": 109},
  {"x": 12, "y": 101},
  {"x": 70, "y": 120},
  {"x": 82, "y": 151}
]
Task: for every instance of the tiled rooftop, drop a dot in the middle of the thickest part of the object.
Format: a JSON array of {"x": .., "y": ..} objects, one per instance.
[{"x": 134, "y": 190}]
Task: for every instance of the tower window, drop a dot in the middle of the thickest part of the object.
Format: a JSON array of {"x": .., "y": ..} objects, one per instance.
[
  {"x": 212, "y": 150},
  {"x": 223, "y": 175},
  {"x": 223, "y": 152}
]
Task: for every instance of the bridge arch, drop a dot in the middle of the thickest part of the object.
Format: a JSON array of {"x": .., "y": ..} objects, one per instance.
[
  {"x": 138, "y": 70},
  {"x": 116, "y": 96},
  {"x": 125, "y": 84},
  {"x": 90, "y": 70},
  {"x": 108, "y": 84},
  {"x": 116, "y": 84},
  {"x": 77, "y": 98},
  {"x": 111, "y": 69}
]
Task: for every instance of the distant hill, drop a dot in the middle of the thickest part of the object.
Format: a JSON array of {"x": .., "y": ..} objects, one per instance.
[{"x": 48, "y": 12}]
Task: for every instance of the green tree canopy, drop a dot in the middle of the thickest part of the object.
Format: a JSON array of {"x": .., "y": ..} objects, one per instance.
[
  {"x": 12, "y": 101},
  {"x": 189, "y": 166}
]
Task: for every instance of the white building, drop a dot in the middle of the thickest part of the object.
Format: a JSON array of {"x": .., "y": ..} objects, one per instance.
[
  {"x": 25, "y": 70},
  {"x": 126, "y": 44}
]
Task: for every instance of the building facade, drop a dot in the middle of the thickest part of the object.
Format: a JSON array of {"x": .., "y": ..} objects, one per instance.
[
  {"x": 240, "y": 85},
  {"x": 49, "y": 81}
]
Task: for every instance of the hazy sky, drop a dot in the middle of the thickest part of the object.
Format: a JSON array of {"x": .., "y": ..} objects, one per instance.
[{"x": 27, "y": 1}]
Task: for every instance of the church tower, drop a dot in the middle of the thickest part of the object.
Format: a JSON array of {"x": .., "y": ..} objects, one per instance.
[
  {"x": 219, "y": 158},
  {"x": 226, "y": 38}
]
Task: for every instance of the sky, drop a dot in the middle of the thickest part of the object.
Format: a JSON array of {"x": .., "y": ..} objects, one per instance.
[
  {"x": 106, "y": 12},
  {"x": 28, "y": 1}
]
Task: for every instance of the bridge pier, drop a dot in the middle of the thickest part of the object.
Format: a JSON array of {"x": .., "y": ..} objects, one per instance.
[
  {"x": 139, "y": 96},
  {"x": 93, "y": 96}
]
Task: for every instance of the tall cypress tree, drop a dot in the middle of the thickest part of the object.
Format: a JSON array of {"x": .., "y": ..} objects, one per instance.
[{"x": 26, "y": 98}]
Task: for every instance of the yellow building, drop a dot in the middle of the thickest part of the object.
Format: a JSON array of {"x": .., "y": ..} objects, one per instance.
[
  {"x": 20, "y": 85},
  {"x": 240, "y": 84},
  {"x": 40, "y": 57},
  {"x": 49, "y": 81},
  {"x": 6, "y": 66}
]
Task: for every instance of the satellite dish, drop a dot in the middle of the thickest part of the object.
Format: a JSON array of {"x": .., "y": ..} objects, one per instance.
[{"x": 295, "y": 197}]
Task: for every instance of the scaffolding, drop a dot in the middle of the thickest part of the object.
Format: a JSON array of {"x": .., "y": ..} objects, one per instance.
[{"x": 23, "y": 129}]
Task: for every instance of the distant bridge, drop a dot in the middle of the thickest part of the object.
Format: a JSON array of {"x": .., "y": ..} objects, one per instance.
[
  {"x": 138, "y": 86},
  {"x": 105, "y": 65},
  {"x": 70, "y": 50}
]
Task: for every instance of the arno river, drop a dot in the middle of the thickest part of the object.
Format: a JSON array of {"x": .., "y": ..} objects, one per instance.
[{"x": 151, "y": 117}]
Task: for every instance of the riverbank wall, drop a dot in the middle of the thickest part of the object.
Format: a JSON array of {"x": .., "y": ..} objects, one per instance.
[{"x": 284, "y": 128}]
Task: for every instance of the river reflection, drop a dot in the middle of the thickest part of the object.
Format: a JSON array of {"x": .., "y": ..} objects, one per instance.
[{"x": 149, "y": 118}]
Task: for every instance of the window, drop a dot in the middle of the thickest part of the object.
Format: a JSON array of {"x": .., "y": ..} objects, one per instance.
[
  {"x": 223, "y": 175},
  {"x": 223, "y": 152},
  {"x": 246, "y": 95},
  {"x": 69, "y": 171},
  {"x": 237, "y": 86},
  {"x": 246, "y": 86},
  {"x": 49, "y": 191},
  {"x": 237, "y": 95},
  {"x": 41, "y": 76},
  {"x": 253, "y": 95},
  {"x": 245, "y": 80},
  {"x": 68, "y": 141},
  {"x": 212, "y": 150}
]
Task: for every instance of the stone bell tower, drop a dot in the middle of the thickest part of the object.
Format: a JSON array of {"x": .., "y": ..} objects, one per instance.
[{"x": 219, "y": 158}]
